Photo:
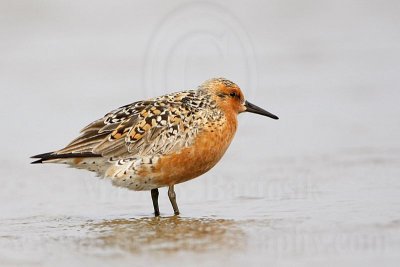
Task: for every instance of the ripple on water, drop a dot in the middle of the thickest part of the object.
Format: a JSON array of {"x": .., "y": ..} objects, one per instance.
[{"x": 164, "y": 234}]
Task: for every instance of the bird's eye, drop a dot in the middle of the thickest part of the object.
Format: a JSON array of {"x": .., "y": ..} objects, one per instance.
[{"x": 233, "y": 94}]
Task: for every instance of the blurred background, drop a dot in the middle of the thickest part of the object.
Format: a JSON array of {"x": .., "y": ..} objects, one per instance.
[{"x": 319, "y": 186}]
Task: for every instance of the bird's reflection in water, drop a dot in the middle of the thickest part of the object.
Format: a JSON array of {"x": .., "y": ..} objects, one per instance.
[{"x": 167, "y": 234}]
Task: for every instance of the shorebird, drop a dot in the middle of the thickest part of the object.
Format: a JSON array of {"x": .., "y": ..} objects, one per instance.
[{"x": 162, "y": 141}]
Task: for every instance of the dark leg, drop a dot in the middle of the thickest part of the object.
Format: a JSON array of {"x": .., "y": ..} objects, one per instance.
[
  {"x": 172, "y": 198},
  {"x": 154, "y": 197}
]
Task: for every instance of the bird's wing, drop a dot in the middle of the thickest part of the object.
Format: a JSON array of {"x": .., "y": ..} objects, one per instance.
[{"x": 154, "y": 127}]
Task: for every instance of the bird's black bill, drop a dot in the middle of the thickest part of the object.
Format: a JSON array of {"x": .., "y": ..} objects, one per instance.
[{"x": 254, "y": 109}]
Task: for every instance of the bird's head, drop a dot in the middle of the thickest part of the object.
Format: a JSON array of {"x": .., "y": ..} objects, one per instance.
[{"x": 230, "y": 98}]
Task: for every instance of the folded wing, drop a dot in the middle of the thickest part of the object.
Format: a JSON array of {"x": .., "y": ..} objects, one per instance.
[{"x": 143, "y": 128}]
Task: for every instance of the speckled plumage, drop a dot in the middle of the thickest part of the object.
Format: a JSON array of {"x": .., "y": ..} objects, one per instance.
[
  {"x": 153, "y": 127},
  {"x": 161, "y": 141}
]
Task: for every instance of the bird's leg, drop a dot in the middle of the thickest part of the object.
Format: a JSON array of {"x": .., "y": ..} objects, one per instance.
[
  {"x": 154, "y": 197},
  {"x": 172, "y": 198}
]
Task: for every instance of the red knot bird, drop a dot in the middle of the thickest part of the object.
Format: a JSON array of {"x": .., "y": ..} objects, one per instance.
[{"x": 162, "y": 141}]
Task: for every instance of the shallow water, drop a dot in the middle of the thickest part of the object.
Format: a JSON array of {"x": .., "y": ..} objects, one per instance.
[
  {"x": 343, "y": 210},
  {"x": 318, "y": 187}
]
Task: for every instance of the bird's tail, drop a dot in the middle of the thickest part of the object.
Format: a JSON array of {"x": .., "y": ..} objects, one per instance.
[{"x": 48, "y": 157}]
